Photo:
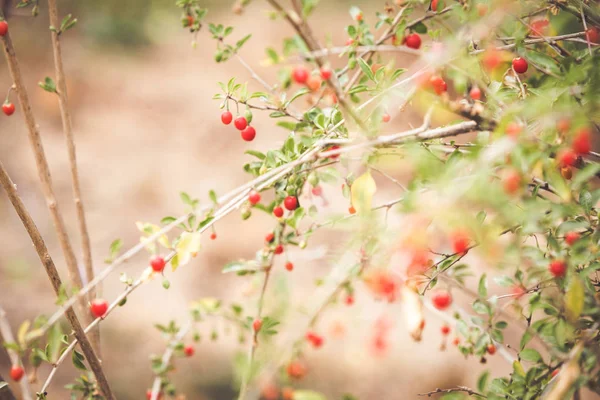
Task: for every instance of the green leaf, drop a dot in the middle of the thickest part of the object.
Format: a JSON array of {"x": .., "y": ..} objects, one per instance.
[
  {"x": 241, "y": 267},
  {"x": 482, "y": 381},
  {"x": 48, "y": 85},
  {"x": 78, "y": 359},
  {"x": 420, "y": 28},
  {"x": 366, "y": 69},
  {"x": 530, "y": 355},
  {"x": 482, "y": 288},
  {"x": 544, "y": 61},
  {"x": 574, "y": 298}
]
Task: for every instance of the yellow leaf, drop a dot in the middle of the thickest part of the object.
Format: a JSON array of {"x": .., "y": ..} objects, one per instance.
[
  {"x": 188, "y": 245},
  {"x": 362, "y": 192},
  {"x": 148, "y": 230},
  {"x": 518, "y": 368},
  {"x": 574, "y": 298}
]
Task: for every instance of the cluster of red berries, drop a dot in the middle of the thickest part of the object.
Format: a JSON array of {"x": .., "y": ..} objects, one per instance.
[
  {"x": 412, "y": 41},
  {"x": 302, "y": 76},
  {"x": 247, "y": 132},
  {"x": 580, "y": 145}
]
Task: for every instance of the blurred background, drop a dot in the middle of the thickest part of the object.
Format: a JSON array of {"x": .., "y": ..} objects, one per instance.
[{"x": 146, "y": 129}]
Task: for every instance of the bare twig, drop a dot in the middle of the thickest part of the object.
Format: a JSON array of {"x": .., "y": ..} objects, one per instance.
[
  {"x": 464, "y": 389},
  {"x": 61, "y": 86},
  {"x": 15, "y": 359},
  {"x": 44, "y": 255}
]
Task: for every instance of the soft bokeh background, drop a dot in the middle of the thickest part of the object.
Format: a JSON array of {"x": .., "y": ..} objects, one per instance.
[{"x": 147, "y": 128}]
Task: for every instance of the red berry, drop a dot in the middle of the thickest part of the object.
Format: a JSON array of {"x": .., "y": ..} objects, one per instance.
[
  {"x": 16, "y": 371},
  {"x": 438, "y": 84},
  {"x": 149, "y": 395},
  {"x": 300, "y": 74},
  {"x": 349, "y": 300},
  {"x": 249, "y": 134},
  {"x": 278, "y": 249},
  {"x": 460, "y": 242},
  {"x": 314, "y": 83},
  {"x": 592, "y": 35},
  {"x": 254, "y": 197},
  {"x": 566, "y": 157},
  {"x": 386, "y": 117},
  {"x": 413, "y": 41},
  {"x": 157, "y": 263},
  {"x": 491, "y": 59},
  {"x": 189, "y": 350},
  {"x": 240, "y": 123},
  {"x": 296, "y": 370},
  {"x": 557, "y": 268},
  {"x": 491, "y": 349},
  {"x": 572, "y": 237},
  {"x": 3, "y": 28},
  {"x": 290, "y": 203},
  {"x": 441, "y": 299},
  {"x": 513, "y": 129},
  {"x": 520, "y": 65},
  {"x": 256, "y": 325},
  {"x": 582, "y": 143},
  {"x": 269, "y": 237},
  {"x": 511, "y": 181},
  {"x": 434, "y": 5},
  {"x": 475, "y": 93},
  {"x": 332, "y": 148},
  {"x": 358, "y": 17},
  {"x": 555, "y": 372},
  {"x": 213, "y": 236},
  {"x": 289, "y": 266},
  {"x": 315, "y": 339},
  {"x": 326, "y": 72},
  {"x": 287, "y": 393},
  {"x": 189, "y": 21},
  {"x": 317, "y": 191},
  {"x": 445, "y": 330},
  {"x": 352, "y": 210},
  {"x": 278, "y": 212},
  {"x": 98, "y": 307},
  {"x": 8, "y": 108},
  {"x": 456, "y": 341},
  {"x": 349, "y": 42},
  {"x": 226, "y": 117}
]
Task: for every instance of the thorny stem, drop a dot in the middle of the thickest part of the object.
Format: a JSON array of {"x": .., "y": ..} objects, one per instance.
[
  {"x": 48, "y": 263},
  {"x": 61, "y": 86}
]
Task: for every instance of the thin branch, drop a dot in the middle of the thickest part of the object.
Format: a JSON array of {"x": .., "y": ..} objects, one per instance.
[
  {"x": 254, "y": 343},
  {"x": 166, "y": 358},
  {"x": 43, "y": 170},
  {"x": 15, "y": 359},
  {"x": 44, "y": 255},
  {"x": 65, "y": 354},
  {"x": 464, "y": 389},
  {"x": 61, "y": 86}
]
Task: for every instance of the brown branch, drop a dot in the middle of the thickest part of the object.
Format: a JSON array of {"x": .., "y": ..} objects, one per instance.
[
  {"x": 44, "y": 255},
  {"x": 15, "y": 359},
  {"x": 61, "y": 86},
  {"x": 464, "y": 389},
  {"x": 43, "y": 170}
]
